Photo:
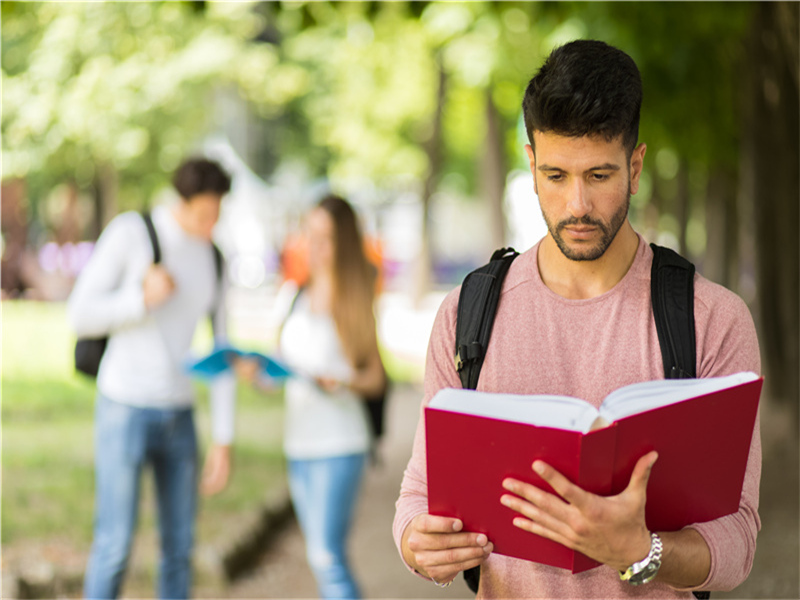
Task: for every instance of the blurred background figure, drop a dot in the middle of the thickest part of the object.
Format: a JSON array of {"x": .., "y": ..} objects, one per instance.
[
  {"x": 329, "y": 339},
  {"x": 150, "y": 308}
]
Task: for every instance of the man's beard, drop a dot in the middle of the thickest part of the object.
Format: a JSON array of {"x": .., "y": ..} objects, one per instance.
[{"x": 609, "y": 232}]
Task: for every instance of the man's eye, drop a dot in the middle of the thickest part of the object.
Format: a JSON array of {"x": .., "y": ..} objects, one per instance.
[
  {"x": 599, "y": 176},
  {"x": 555, "y": 177}
]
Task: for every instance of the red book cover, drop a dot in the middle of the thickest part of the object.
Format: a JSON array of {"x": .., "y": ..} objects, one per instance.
[{"x": 703, "y": 444}]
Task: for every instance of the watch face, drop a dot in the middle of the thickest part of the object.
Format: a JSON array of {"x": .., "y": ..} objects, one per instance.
[{"x": 647, "y": 573}]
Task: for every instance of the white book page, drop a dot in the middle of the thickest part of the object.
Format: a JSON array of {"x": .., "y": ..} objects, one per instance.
[
  {"x": 647, "y": 395},
  {"x": 562, "y": 412}
]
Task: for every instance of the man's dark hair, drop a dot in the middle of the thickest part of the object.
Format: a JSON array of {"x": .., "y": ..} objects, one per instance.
[
  {"x": 585, "y": 87},
  {"x": 200, "y": 176}
]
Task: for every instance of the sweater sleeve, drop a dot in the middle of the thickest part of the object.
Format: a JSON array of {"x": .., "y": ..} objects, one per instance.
[
  {"x": 103, "y": 299},
  {"x": 440, "y": 373},
  {"x": 727, "y": 344}
]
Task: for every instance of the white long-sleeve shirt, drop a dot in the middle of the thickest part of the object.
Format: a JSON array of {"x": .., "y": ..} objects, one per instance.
[
  {"x": 319, "y": 424},
  {"x": 144, "y": 362}
]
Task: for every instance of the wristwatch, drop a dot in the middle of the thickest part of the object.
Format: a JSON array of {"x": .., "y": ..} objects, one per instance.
[{"x": 646, "y": 569}]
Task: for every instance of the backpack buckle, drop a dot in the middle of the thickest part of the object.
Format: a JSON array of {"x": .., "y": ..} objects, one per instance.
[
  {"x": 459, "y": 361},
  {"x": 467, "y": 354}
]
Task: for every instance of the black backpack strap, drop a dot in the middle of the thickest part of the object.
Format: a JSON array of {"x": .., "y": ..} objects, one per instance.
[
  {"x": 672, "y": 296},
  {"x": 477, "y": 304},
  {"x": 151, "y": 232},
  {"x": 218, "y": 262}
]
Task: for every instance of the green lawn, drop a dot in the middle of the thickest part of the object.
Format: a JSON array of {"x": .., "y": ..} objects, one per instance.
[{"x": 47, "y": 441}]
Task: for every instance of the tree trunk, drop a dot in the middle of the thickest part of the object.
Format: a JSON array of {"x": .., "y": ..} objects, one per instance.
[
  {"x": 435, "y": 160},
  {"x": 106, "y": 186},
  {"x": 682, "y": 206},
  {"x": 493, "y": 172},
  {"x": 721, "y": 260},
  {"x": 771, "y": 152}
]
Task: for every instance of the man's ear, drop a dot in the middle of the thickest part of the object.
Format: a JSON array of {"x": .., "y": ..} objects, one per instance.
[
  {"x": 532, "y": 163},
  {"x": 636, "y": 166}
]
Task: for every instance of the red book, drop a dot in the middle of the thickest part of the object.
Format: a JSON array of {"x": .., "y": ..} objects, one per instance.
[{"x": 701, "y": 428}]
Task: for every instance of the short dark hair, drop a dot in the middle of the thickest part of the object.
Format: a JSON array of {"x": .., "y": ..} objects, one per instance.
[
  {"x": 200, "y": 176},
  {"x": 585, "y": 87}
]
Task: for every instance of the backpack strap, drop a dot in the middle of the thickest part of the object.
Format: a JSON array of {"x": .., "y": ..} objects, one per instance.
[
  {"x": 477, "y": 304},
  {"x": 218, "y": 262},
  {"x": 151, "y": 232},
  {"x": 672, "y": 296}
]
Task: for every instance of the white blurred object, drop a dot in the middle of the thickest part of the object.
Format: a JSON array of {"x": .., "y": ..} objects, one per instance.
[{"x": 526, "y": 226}]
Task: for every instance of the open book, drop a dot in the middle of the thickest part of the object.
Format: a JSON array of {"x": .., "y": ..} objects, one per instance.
[
  {"x": 701, "y": 428},
  {"x": 221, "y": 360}
]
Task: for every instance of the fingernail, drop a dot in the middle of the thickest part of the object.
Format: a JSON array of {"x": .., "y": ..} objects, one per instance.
[
  {"x": 457, "y": 526},
  {"x": 508, "y": 484},
  {"x": 488, "y": 548},
  {"x": 538, "y": 467},
  {"x": 482, "y": 540},
  {"x": 504, "y": 500}
]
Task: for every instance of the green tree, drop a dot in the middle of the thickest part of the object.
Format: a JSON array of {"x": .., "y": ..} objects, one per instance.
[{"x": 110, "y": 96}]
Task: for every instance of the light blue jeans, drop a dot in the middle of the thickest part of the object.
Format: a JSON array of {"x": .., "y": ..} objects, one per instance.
[
  {"x": 324, "y": 493},
  {"x": 127, "y": 439}
]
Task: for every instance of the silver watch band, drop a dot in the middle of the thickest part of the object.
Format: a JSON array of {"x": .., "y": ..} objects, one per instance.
[{"x": 646, "y": 569}]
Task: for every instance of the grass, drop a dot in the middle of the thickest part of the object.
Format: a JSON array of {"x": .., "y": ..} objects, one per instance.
[{"x": 48, "y": 450}]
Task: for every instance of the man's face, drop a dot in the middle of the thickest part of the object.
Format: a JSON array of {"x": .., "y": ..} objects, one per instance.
[
  {"x": 200, "y": 214},
  {"x": 584, "y": 186}
]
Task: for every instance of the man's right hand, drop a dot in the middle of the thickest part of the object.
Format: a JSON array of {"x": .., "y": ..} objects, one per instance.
[
  {"x": 158, "y": 286},
  {"x": 437, "y": 548},
  {"x": 247, "y": 369}
]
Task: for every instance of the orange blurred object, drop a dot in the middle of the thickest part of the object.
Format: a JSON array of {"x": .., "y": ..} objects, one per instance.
[{"x": 294, "y": 259}]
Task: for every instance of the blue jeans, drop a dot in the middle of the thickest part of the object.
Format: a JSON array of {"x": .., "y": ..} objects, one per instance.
[
  {"x": 324, "y": 492},
  {"x": 127, "y": 439}
]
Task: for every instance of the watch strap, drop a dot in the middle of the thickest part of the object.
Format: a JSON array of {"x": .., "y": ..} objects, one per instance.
[{"x": 646, "y": 569}]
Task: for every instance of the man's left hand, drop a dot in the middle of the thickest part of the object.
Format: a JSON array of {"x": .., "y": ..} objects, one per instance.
[
  {"x": 611, "y": 530},
  {"x": 216, "y": 470}
]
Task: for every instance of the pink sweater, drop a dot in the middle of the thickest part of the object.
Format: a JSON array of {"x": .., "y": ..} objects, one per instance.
[{"x": 545, "y": 344}]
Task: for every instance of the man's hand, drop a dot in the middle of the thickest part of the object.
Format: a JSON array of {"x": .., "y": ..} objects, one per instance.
[
  {"x": 436, "y": 547},
  {"x": 216, "y": 470},
  {"x": 611, "y": 530},
  {"x": 158, "y": 286},
  {"x": 247, "y": 369}
]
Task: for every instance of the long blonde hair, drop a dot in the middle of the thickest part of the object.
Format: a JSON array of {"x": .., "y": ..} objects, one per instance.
[{"x": 354, "y": 277}]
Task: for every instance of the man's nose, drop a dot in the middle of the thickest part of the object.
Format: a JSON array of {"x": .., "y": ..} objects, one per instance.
[{"x": 579, "y": 204}]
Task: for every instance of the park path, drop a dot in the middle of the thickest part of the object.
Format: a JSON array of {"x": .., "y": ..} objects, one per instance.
[{"x": 282, "y": 572}]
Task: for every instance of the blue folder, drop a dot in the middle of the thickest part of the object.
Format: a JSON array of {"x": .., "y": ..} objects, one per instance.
[{"x": 221, "y": 360}]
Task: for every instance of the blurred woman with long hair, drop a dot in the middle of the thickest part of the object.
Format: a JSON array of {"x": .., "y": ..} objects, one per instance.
[{"x": 330, "y": 337}]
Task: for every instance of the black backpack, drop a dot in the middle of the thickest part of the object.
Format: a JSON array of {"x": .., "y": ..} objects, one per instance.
[
  {"x": 672, "y": 296},
  {"x": 89, "y": 351}
]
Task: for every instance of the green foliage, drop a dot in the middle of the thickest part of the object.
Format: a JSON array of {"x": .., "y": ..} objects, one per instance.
[
  {"x": 126, "y": 87},
  {"x": 348, "y": 88}
]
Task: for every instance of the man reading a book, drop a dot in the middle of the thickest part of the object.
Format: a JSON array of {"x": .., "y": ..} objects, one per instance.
[{"x": 574, "y": 318}]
